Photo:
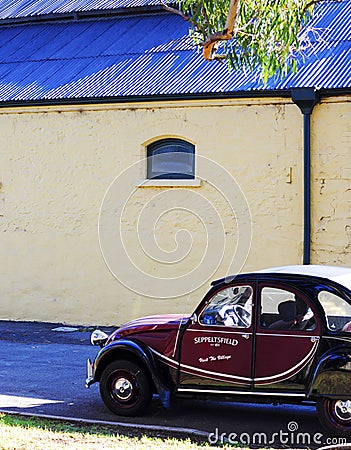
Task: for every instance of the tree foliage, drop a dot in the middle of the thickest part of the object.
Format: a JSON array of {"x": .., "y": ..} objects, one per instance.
[{"x": 263, "y": 34}]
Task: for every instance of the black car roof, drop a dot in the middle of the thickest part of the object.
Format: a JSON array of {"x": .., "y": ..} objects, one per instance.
[{"x": 339, "y": 275}]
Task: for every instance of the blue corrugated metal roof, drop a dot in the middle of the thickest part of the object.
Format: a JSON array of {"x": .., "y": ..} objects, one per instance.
[
  {"x": 30, "y": 8},
  {"x": 150, "y": 54}
]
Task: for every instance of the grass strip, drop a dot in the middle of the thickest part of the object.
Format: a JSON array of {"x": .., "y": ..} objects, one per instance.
[{"x": 31, "y": 433}]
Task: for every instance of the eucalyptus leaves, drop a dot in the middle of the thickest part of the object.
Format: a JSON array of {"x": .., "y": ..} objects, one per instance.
[{"x": 256, "y": 33}]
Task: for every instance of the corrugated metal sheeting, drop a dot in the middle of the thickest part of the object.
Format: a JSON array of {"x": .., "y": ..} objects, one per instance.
[
  {"x": 147, "y": 55},
  {"x": 30, "y": 8}
]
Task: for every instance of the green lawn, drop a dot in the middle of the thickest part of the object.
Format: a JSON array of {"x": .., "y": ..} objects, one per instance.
[{"x": 28, "y": 433}]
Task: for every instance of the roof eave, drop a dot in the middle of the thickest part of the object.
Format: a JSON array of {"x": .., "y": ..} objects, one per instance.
[
  {"x": 281, "y": 93},
  {"x": 83, "y": 15}
]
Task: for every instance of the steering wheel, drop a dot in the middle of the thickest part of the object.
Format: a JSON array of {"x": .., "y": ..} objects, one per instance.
[{"x": 243, "y": 315}]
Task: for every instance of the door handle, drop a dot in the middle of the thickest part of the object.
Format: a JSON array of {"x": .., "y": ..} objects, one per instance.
[{"x": 246, "y": 336}]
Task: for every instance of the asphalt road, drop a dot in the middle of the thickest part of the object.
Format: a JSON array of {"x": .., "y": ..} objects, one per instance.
[{"x": 43, "y": 373}]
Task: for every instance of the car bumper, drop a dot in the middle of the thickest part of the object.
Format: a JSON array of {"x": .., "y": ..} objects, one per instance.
[{"x": 90, "y": 374}]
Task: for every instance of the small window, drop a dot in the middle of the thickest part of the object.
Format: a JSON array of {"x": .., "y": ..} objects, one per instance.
[
  {"x": 231, "y": 307},
  {"x": 337, "y": 311},
  {"x": 171, "y": 158},
  {"x": 284, "y": 310}
]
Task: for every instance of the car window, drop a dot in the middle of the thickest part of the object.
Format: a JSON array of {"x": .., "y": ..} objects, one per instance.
[
  {"x": 282, "y": 309},
  {"x": 337, "y": 311},
  {"x": 231, "y": 306}
]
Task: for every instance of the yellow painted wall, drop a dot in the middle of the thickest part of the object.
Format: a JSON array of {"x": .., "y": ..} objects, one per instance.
[
  {"x": 331, "y": 188},
  {"x": 58, "y": 163}
]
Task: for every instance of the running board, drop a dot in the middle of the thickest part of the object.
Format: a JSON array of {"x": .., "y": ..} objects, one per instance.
[{"x": 213, "y": 391}]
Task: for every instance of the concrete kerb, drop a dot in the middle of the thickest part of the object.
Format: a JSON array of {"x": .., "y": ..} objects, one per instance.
[{"x": 47, "y": 332}]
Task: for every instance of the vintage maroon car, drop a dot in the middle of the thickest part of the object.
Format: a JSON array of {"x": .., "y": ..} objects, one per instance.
[{"x": 278, "y": 335}]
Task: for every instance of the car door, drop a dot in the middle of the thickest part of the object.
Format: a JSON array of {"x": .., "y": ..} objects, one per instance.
[
  {"x": 287, "y": 337},
  {"x": 216, "y": 349}
]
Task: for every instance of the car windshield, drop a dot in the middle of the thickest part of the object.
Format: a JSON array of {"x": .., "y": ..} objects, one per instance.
[{"x": 337, "y": 311}]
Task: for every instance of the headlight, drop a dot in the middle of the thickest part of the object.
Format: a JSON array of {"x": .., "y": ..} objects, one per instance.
[{"x": 98, "y": 337}]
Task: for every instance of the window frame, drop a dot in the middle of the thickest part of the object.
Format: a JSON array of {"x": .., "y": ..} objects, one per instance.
[
  {"x": 329, "y": 318},
  {"x": 156, "y": 146},
  {"x": 261, "y": 329},
  {"x": 223, "y": 326}
]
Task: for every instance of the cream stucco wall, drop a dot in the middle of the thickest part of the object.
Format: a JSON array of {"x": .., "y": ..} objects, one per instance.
[
  {"x": 58, "y": 163},
  {"x": 331, "y": 183}
]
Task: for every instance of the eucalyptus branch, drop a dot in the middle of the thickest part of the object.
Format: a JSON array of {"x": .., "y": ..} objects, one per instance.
[
  {"x": 268, "y": 33},
  {"x": 185, "y": 17},
  {"x": 179, "y": 13},
  {"x": 243, "y": 33},
  {"x": 212, "y": 42},
  {"x": 311, "y": 3}
]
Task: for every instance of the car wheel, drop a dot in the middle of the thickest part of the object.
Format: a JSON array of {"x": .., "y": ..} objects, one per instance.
[
  {"x": 335, "y": 415},
  {"x": 125, "y": 388}
]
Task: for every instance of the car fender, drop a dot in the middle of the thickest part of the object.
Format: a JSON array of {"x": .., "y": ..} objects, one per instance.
[
  {"x": 127, "y": 348},
  {"x": 332, "y": 376}
]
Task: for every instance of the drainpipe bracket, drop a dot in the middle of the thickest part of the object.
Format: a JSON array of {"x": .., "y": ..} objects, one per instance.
[{"x": 305, "y": 99}]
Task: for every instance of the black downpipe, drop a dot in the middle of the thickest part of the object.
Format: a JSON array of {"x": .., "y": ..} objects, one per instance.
[
  {"x": 307, "y": 230},
  {"x": 306, "y": 99}
]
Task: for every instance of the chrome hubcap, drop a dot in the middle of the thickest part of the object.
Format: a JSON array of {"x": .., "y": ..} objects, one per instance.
[
  {"x": 343, "y": 410},
  {"x": 123, "y": 389}
]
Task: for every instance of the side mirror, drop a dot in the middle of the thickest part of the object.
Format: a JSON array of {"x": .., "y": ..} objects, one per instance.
[{"x": 193, "y": 319}]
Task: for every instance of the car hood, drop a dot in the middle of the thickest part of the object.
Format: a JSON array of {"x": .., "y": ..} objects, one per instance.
[{"x": 164, "y": 322}]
